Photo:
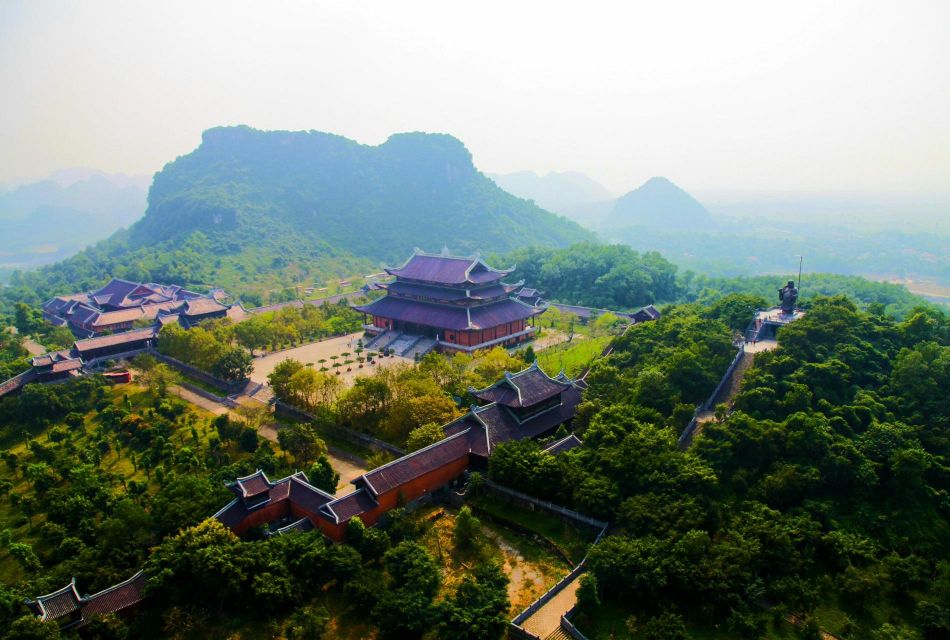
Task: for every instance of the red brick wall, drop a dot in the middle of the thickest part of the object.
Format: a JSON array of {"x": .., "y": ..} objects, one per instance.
[{"x": 263, "y": 515}]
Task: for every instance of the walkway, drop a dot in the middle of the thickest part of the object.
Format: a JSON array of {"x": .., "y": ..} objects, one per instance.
[
  {"x": 547, "y": 619},
  {"x": 731, "y": 389}
]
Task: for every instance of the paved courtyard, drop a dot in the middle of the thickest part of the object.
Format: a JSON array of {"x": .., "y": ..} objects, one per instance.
[{"x": 323, "y": 350}]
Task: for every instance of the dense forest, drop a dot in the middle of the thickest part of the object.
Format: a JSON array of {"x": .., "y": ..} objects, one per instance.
[
  {"x": 618, "y": 277},
  {"x": 823, "y": 494}
]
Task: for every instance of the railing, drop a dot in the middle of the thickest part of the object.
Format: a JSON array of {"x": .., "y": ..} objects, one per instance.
[
  {"x": 687, "y": 434},
  {"x": 545, "y": 505}
]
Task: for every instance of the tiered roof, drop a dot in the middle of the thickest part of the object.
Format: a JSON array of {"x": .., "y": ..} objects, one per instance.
[
  {"x": 523, "y": 389},
  {"x": 447, "y": 270},
  {"x": 448, "y": 317},
  {"x": 256, "y": 490}
]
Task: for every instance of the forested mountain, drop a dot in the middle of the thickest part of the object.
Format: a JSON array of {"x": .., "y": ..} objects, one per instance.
[
  {"x": 661, "y": 204},
  {"x": 561, "y": 192},
  {"x": 244, "y": 187},
  {"x": 251, "y": 210},
  {"x": 824, "y": 493}
]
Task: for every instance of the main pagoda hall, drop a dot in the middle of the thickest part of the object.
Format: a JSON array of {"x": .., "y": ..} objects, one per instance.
[{"x": 454, "y": 303}]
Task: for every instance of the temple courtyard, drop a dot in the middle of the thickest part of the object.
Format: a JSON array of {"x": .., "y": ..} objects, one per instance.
[{"x": 313, "y": 353}]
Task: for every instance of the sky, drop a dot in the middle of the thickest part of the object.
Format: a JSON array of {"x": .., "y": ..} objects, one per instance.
[{"x": 763, "y": 96}]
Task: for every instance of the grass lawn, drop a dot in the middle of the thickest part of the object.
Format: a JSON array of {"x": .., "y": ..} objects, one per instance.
[
  {"x": 574, "y": 540},
  {"x": 573, "y": 357}
]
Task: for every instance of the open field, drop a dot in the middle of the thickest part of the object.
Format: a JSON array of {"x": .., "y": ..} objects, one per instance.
[{"x": 572, "y": 357}]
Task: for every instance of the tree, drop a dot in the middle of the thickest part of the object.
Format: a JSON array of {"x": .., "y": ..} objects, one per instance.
[
  {"x": 425, "y": 435},
  {"x": 249, "y": 439},
  {"x": 323, "y": 476},
  {"x": 234, "y": 365},
  {"x": 302, "y": 442},
  {"x": 405, "y": 608},
  {"x": 466, "y": 528},
  {"x": 204, "y": 563},
  {"x": 25, "y": 556},
  {"x": 279, "y": 378},
  {"x": 30, "y": 627},
  {"x": 587, "y": 593},
  {"x": 478, "y": 609},
  {"x": 666, "y": 626}
]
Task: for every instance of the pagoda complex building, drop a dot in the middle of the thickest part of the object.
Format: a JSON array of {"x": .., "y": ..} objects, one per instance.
[
  {"x": 527, "y": 404},
  {"x": 458, "y": 304}
]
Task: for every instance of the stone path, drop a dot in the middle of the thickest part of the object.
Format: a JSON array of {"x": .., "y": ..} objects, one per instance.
[{"x": 547, "y": 619}]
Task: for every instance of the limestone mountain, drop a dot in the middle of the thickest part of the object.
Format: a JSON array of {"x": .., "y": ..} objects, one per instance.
[
  {"x": 254, "y": 211},
  {"x": 659, "y": 203},
  {"x": 242, "y": 187}
]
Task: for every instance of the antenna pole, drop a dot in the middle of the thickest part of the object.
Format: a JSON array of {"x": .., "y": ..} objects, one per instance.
[{"x": 800, "y": 258}]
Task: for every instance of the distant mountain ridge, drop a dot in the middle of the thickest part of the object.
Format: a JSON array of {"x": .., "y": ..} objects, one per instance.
[
  {"x": 661, "y": 204},
  {"x": 56, "y": 217},
  {"x": 556, "y": 191}
]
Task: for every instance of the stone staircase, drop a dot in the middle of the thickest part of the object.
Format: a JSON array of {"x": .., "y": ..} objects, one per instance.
[
  {"x": 383, "y": 340},
  {"x": 558, "y": 634},
  {"x": 404, "y": 343},
  {"x": 422, "y": 347}
]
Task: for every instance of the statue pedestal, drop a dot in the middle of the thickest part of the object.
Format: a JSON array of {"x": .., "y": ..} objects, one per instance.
[{"x": 766, "y": 323}]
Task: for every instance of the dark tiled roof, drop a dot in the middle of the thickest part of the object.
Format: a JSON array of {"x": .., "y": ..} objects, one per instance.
[
  {"x": 59, "y": 603},
  {"x": 527, "y": 292},
  {"x": 409, "y": 467},
  {"x": 445, "y": 317},
  {"x": 425, "y": 291},
  {"x": 66, "y": 365},
  {"x": 115, "y": 293},
  {"x": 350, "y": 505},
  {"x": 647, "y": 313},
  {"x": 125, "y": 337},
  {"x": 523, "y": 389},
  {"x": 115, "y": 598},
  {"x": 252, "y": 485},
  {"x": 447, "y": 269},
  {"x": 305, "y": 495},
  {"x": 504, "y": 426},
  {"x": 202, "y": 306},
  {"x": 304, "y": 524},
  {"x": 564, "y": 444},
  {"x": 431, "y": 315},
  {"x": 295, "y": 489}
]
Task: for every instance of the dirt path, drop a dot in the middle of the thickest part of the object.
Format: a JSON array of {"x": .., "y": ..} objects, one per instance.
[{"x": 200, "y": 401}]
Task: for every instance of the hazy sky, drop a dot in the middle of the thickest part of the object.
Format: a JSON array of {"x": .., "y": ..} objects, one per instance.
[{"x": 792, "y": 96}]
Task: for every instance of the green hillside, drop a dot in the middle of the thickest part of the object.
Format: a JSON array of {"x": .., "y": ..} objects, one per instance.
[{"x": 257, "y": 210}]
